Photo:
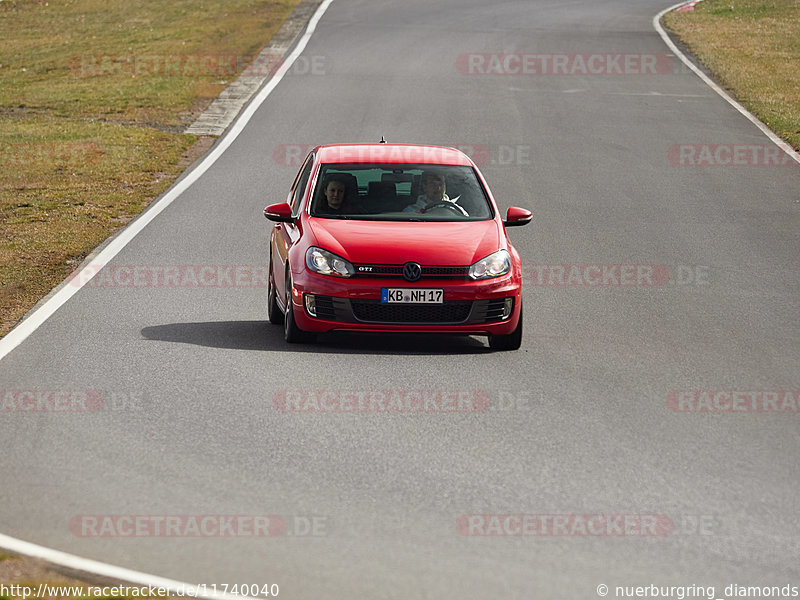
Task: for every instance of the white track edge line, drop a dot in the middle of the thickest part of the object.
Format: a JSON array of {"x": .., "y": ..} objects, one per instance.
[
  {"x": 708, "y": 81},
  {"x": 32, "y": 322},
  {"x": 77, "y": 280}
]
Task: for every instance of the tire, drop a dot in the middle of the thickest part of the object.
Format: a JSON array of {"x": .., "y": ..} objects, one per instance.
[
  {"x": 291, "y": 332},
  {"x": 274, "y": 313},
  {"x": 511, "y": 341}
]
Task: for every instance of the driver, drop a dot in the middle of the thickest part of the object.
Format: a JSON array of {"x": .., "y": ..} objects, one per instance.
[{"x": 433, "y": 188}]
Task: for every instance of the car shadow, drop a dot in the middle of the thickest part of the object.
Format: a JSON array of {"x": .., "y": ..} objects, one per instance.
[{"x": 262, "y": 335}]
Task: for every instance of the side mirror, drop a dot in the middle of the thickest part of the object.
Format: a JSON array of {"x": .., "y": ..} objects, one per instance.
[
  {"x": 517, "y": 216},
  {"x": 280, "y": 213}
]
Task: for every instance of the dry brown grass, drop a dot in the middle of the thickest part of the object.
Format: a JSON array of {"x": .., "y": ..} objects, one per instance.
[
  {"x": 82, "y": 150},
  {"x": 29, "y": 573}
]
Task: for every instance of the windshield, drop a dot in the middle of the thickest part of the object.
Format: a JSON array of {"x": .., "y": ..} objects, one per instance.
[{"x": 400, "y": 192}]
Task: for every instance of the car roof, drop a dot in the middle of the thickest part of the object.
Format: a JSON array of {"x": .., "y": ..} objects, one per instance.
[{"x": 391, "y": 153}]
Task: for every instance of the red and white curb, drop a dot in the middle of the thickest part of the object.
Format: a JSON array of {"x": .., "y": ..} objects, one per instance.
[{"x": 687, "y": 6}]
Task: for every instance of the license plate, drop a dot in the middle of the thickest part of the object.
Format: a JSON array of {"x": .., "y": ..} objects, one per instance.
[{"x": 412, "y": 296}]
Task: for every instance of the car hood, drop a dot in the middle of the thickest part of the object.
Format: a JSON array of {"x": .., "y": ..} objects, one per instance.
[{"x": 394, "y": 242}]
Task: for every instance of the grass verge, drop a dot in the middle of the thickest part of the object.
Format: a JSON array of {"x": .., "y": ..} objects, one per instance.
[
  {"x": 752, "y": 49},
  {"x": 94, "y": 96},
  {"x": 21, "y": 578}
]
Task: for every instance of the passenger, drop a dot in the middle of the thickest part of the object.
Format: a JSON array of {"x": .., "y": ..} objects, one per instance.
[
  {"x": 334, "y": 192},
  {"x": 334, "y": 200}
]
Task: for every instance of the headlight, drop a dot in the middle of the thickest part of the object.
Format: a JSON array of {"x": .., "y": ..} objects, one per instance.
[
  {"x": 494, "y": 265},
  {"x": 327, "y": 263}
]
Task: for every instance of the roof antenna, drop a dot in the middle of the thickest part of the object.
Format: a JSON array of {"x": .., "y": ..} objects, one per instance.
[{"x": 383, "y": 140}]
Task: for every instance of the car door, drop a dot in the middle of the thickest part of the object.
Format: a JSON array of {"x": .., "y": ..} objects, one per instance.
[{"x": 285, "y": 235}]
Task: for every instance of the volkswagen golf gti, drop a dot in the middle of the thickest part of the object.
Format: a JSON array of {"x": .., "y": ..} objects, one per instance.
[{"x": 393, "y": 238}]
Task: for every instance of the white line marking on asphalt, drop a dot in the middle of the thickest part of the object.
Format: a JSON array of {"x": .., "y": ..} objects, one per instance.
[
  {"x": 658, "y": 94},
  {"x": 29, "y": 325},
  {"x": 750, "y": 116},
  {"x": 17, "y": 335}
]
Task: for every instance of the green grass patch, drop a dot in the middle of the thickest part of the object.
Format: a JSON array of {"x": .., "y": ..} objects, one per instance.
[
  {"x": 752, "y": 48},
  {"x": 94, "y": 96}
]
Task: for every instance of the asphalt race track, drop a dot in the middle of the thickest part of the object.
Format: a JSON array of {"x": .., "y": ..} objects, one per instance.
[{"x": 592, "y": 417}]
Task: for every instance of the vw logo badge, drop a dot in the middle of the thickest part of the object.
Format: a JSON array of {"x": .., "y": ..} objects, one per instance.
[{"x": 412, "y": 271}]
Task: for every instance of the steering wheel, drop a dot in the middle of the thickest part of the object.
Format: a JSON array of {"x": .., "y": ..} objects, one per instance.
[{"x": 445, "y": 204}]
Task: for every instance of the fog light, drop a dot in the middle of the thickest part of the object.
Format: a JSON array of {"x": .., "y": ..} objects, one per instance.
[
  {"x": 508, "y": 306},
  {"x": 311, "y": 305}
]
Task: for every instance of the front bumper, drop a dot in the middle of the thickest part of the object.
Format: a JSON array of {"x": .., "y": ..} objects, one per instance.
[{"x": 353, "y": 304}]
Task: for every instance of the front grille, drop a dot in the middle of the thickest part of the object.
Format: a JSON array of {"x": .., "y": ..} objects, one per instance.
[
  {"x": 396, "y": 272},
  {"x": 376, "y": 312},
  {"x": 451, "y": 312}
]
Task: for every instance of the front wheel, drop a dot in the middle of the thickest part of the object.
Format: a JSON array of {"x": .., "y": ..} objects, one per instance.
[
  {"x": 511, "y": 341},
  {"x": 291, "y": 332}
]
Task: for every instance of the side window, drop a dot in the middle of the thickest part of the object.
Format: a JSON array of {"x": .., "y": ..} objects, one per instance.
[{"x": 300, "y": 185}]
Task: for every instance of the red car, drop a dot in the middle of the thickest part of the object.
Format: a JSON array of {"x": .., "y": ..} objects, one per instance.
[{"x": 393, "y": 238}]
